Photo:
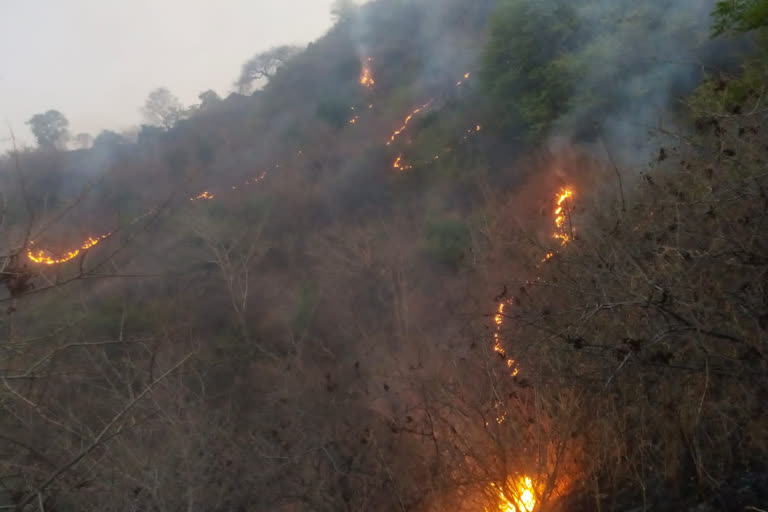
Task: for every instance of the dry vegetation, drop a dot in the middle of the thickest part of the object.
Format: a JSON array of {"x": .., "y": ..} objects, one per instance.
[{"x": 322, "y": 337}]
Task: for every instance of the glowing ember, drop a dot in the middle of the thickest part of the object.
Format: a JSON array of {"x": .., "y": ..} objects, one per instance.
[
  {"x": 207, "y": 196},
  {"x": 42, "y": 257},
  {"x": 523, "y": 497},
  {"x": 257, "y": 178},
  {"x": 466, "y": 77},
  {"x": 408, "y": 120},
  {"x": 399, "y": 165}
]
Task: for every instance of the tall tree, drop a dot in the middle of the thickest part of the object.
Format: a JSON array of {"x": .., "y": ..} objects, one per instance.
[
  {"x": 162, "y": 108},
  {"x": 50, "y": 129},
  {"x": 263, "y": 65}
]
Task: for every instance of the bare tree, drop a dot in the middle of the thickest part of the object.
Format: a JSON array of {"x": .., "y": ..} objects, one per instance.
[{"x": 263, "y": 65}]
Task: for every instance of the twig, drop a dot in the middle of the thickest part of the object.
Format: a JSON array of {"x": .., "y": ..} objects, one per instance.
[
  {"x": 98, "y": 439},
  {"x": 618, "y": 369}
]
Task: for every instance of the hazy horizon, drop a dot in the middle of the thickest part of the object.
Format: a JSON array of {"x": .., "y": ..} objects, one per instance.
[{"x": 96, "y": 61}]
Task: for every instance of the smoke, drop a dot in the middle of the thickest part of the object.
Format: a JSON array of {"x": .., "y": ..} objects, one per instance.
[
  {"x": 437, "y": 40},
  {"x": 646, "y": 57}
]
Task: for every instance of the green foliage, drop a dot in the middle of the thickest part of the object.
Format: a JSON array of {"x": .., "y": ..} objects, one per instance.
[
  {"x": 448, "y": 241},
  {"x": 727, "y": 95},
  {"x": 522, "y": 67},
  {"x": 739, "y": 16},
  {"x": 570, "y": 64},
  {"x": 744, "y": 91}
]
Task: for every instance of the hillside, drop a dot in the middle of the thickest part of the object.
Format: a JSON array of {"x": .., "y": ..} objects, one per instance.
[{"x": 494, "y": 255}]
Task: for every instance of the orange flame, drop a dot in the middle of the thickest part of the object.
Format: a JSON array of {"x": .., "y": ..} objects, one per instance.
[
  {"x": 562, "y": 233},
  {"x": 203, "y": 195},
  {"x": 366, "y": 77},
  {"x": 523, "y": 497},
  {"x": 408, "y": 120},
  {"x": 41, "y": 256},
  {"x": 399, "y": 165},
  {"x": 466, "y": 77}
]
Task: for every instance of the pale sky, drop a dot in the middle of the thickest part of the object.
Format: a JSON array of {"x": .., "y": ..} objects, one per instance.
[{"x": 96, "y": 60}]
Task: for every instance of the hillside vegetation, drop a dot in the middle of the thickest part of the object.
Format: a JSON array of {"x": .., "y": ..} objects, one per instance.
[{"x": 501, "y": 255}]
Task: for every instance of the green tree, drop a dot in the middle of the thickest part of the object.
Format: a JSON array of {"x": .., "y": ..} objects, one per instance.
[
  {"x": 739, "y": 16},
  {"x": 50, "y": 129},
  {"x": 523, "y": 68}
]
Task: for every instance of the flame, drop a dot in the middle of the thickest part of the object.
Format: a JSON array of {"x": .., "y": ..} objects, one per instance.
[
  {"x": 399, "y": 165},
  {"x": 366, "y": 77},
  {"x": 523, "y": 497},
  {"x": 562, "y": 233},
  {"x": 203, "y": 195},
  {"x": 408, "y": 120},
  {"x": 466, "y": 77},
  {"x": 41, "y": 256},
  {"x": 45, "y": 257}
]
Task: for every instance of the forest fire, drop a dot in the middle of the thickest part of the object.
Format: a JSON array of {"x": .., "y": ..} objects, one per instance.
[
  {"x": 563, "y": 233},
  {"x": 41, "y": 256},
  {"x": 408, "y": 120},
  {"x": 366, "y": 77},
  {"x": 399, "y": 165},
  {"x": 466, "y": 77},
  {"x": 205, "y": 195},
  {"x": 523, "y": 498}
]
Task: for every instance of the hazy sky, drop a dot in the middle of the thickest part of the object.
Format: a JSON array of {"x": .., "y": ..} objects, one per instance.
[{"x": 96, "y": 60}]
